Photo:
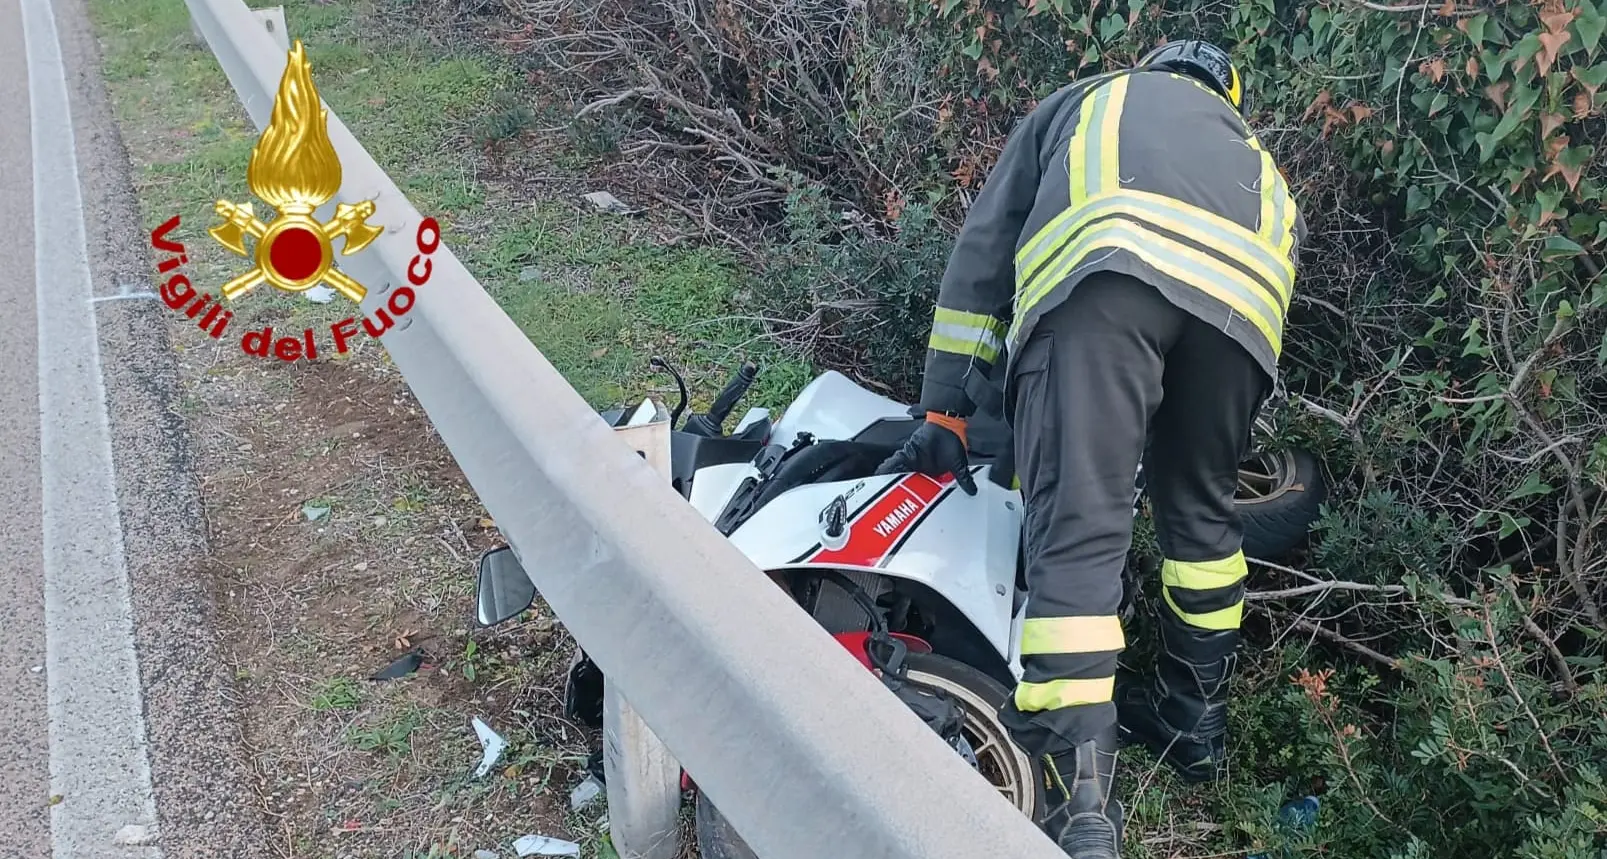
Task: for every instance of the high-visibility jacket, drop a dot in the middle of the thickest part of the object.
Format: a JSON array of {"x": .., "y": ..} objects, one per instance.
[{"x": 1141, "y": 171}]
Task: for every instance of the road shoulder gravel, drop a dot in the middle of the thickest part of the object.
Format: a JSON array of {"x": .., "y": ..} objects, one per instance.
[{"x": 200, "y": 771}]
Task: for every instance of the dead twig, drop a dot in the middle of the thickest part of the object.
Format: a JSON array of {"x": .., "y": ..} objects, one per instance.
[{"x": 1331, "y": 636}]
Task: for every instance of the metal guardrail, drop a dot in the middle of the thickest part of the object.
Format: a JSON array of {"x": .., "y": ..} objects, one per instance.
[{"x": 803, "y": 750}]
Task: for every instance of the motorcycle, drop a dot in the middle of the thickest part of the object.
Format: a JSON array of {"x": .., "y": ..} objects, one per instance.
[{"x": 921, "y": 582}]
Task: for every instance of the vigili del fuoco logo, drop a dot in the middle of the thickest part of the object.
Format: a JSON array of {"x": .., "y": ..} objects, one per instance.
[{"x": 295, "y": 170}]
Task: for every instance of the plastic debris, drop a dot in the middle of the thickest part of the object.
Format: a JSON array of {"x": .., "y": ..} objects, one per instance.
[
  {"x": 320, "y": 294},
  {"x": 405, "y": 665},
  {"x": 485, "y": 854},
  {"x": 541, "y": 845},
  {"x": 1295, "y": 816},
  {"x": 314, "y": 512},
  {"x": 36, "y": 669},
  {"x": 493, "y": 744},
  {"x": 609, "y": 203},
  {"x": 136, "y": 834},
  {"x": 584, "y": 793}
]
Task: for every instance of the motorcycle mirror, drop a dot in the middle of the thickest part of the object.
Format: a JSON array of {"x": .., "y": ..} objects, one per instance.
[{"x": 502, "y": 589}]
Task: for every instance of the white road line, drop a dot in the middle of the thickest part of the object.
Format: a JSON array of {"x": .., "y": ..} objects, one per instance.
[{"x": 98, "y": 762}]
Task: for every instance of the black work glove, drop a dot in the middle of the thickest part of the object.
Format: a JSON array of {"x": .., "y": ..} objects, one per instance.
[{"x": 935, "y": 449}]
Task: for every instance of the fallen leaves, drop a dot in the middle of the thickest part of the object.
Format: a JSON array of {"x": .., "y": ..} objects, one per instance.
[{"x": 1336, "y": 117}]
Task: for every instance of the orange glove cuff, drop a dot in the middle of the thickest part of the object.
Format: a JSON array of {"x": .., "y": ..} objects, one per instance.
[{"x": 952, "y": 424}]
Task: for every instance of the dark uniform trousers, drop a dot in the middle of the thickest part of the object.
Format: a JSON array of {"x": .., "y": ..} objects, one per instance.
[{"x": 1115, "y": 363}]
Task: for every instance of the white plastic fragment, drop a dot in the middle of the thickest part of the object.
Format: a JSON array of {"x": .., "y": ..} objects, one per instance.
[
  {"x": 485, "y": 854},
  {"x": 492, "y": 743},
  {"x": 541, "y": 845},
  {"x": 610, "y": 203},
  {"x": 135, "y": 834},
  {"x": 320, "y": 294},
  {"x": 584, "y": 793}
]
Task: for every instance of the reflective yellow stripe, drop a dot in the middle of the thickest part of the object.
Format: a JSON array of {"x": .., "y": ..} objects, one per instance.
[
  {"x": 945, "y": 316},
  {"x": 970, "y": 348},
  {"x": 1200, "y": 270},
  {"x": 1286, "y": 245},
  {"x": 1045, "y": 635},
  {"x": 1226, "y": 618},
  {"x": 1057, "y": 694},
  {"x": 974, "y": 335},
  {"x": 1277, "y": 203},
  {"x": 1076, "y": 152},
  {"x": 1203, "y": 227},
  {"x": 1106, "y": 160},
  {"x": 1271, "y": 220},
  {"x": 1042, "y": 246},
  {"x": 1204, "y": 575}
]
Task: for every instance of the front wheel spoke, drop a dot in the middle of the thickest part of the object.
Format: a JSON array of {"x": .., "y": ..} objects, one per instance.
[{"x": 980, "y": 750}]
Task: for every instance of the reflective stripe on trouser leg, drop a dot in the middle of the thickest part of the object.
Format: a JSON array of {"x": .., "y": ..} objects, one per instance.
[
  {"x": 1206, "y": 595},
  {"x": 1068, "y": 661}
]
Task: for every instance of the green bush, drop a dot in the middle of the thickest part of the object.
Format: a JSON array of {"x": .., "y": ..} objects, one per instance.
[{"x": 1447, "y": 354}]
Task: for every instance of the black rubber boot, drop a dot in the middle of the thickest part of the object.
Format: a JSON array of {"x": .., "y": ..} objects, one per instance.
[
  {"x": 1085, "y": 817},
  {"x": 1181, "y": 715}
]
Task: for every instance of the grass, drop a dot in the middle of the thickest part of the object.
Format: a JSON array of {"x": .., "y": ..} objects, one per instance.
[
  {"x": 391, "y": 735},
  {"x": 596, "y": 293},
  {"x": 338, "y": 693}
]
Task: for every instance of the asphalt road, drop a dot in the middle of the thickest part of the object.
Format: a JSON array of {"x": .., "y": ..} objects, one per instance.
[{"x": 117, "y": 734}]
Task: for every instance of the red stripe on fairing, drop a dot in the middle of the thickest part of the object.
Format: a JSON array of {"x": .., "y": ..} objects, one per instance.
[{"x": 874, "y": 532}]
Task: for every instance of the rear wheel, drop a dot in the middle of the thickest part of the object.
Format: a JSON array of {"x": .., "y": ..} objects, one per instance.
[
  {"x": 1018, "y": 777},
  {"x": 1278, "y": 499}
]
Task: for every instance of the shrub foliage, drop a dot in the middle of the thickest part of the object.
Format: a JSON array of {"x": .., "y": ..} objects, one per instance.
[{"x": 1448, "y": 350}]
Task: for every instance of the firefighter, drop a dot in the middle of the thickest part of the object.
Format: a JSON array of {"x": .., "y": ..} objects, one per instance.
[{"x": 1132, "y": 257}]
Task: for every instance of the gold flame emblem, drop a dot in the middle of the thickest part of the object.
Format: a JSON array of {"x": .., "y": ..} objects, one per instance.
[{"x": 295, "y": 170}]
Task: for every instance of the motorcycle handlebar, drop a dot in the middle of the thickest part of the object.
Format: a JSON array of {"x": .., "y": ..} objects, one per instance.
[{"x": 733, "y": 392}]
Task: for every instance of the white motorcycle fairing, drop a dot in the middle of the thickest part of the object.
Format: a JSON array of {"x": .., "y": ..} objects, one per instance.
[
  {"x": 909, "y": 526},
  {"x": 833, "y": 407}
]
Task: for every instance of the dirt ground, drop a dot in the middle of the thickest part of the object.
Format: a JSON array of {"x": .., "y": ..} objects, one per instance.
[{"x": 344, "y": 537}]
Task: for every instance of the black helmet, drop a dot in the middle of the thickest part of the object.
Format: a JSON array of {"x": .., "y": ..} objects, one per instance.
[{"x": 1203, "y": 61}]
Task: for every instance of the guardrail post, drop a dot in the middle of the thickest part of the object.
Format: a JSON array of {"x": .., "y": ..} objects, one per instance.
[{"x": 642, "y": 777}]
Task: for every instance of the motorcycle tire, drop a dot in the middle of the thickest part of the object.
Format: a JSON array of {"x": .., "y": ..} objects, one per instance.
[
  {"x": 1279, "y": 499},
  {"x": 979, "y": 695}
]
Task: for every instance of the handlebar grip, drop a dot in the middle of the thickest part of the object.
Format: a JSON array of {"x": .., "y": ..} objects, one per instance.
[{"x": 733, "y": 392}]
